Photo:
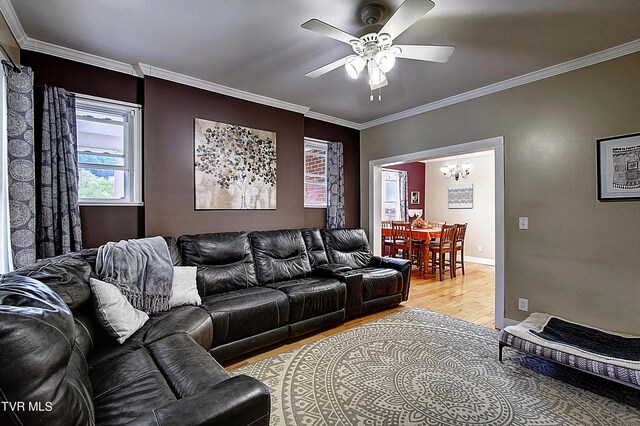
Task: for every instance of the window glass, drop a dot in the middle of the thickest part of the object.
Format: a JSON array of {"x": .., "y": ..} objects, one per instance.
[
  {"x": 315, "y": 174},
  {"x": 108, "y": 151},
  {"x": 390, "y": 195}
]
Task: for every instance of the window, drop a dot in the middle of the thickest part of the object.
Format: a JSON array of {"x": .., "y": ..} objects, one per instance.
[
  {"x": 109, "y": 151},
  {"x": 315, "y": 173},
  {"x": 390, "y": 195}
]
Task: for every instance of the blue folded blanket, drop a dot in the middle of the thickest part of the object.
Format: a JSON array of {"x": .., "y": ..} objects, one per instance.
[{"x": 591, "y": 340}]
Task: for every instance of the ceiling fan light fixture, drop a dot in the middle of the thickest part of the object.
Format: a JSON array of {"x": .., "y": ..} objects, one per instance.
[
  {"x": 385, "y": 60},
  {"x": 354, "y": 66},
  {"x": 376, "y": 75},
  {"x": 373, "y": 43}
]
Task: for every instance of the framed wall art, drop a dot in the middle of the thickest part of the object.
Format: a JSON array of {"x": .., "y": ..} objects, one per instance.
[
  {"x": 619, "y": 168},
  {"x": 461, "y": 196},
  {"x": 234, "y": 167},
  {"x": 415, "y": 197}
]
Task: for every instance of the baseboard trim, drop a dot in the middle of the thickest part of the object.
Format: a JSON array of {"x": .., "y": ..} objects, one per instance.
[
  {"x": 508, "y": 321},
  {"x": 480, "y": 260}
]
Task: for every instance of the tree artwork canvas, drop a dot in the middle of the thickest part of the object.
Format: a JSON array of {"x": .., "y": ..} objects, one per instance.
[{"x": 235, "y": 167}]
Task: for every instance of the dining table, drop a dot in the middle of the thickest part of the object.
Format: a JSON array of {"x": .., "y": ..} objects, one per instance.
[{"x": 423, "y": 234}]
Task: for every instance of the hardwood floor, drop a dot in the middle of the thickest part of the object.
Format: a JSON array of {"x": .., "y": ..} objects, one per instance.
[{"x": 469, "y": 297}]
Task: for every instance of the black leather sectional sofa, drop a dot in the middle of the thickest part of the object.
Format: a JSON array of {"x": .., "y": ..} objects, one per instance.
[{"x": 257, "y": 289}]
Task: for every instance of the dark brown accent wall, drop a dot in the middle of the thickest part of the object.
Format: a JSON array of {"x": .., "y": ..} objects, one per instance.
[
  {"x": 170, "y": 110},
  {"x": 350, "y": 139},
  {"x": 99, "y": 224},
  {"x": 168, "y": 113}
]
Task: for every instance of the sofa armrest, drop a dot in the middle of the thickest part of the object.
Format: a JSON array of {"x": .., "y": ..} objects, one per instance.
[
  {"x": 331, "y": 269},
  {"x": 240, "y": 400},
  {"x": 352, "y": 279},
  {"x": 401, "y": 265},
  {"x": 391, "y": 263}
]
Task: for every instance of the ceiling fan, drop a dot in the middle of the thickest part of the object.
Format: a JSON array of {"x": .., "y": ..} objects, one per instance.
[{"x": 373, "y": 43}]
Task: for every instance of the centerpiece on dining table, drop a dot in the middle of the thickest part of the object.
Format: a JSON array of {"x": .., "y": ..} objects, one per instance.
[{"x": 419, "y": 223}]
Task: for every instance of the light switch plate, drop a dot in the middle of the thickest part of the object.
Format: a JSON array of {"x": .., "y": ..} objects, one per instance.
[{"x": 523, "y": 223}]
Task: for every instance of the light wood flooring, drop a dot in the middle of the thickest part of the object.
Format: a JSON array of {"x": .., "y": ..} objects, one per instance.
[{"x": 469, "y": 297}]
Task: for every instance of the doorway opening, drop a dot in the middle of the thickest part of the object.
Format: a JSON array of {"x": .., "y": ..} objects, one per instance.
[{"x": 431, "y": 202}]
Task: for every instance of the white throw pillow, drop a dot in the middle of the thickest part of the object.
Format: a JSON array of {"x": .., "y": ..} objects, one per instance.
[
  {"x": 184, "y": 290},
  {"x": 114, "y": 311}
]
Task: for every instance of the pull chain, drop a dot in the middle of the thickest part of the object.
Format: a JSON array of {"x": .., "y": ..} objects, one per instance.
[
  {"x": 379, "y": 95},
  {"x": 370, "y": 95}
]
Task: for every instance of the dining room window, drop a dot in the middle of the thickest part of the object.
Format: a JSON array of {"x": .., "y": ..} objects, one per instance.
[{"x": 390, "y": 195}]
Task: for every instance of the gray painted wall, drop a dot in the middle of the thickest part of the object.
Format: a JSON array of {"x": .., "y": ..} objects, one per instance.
[{"x": 579, "y": 258}]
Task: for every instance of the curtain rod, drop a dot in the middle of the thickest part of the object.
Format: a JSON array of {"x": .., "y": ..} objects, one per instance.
[{"x": 6, "y": 54}]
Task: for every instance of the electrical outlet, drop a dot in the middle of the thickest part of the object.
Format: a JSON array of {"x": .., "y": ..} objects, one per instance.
[
  {"x": 480, "y": 248},
  {"x": 523, "y": 223},
  {"x": 523, "y": 304}
]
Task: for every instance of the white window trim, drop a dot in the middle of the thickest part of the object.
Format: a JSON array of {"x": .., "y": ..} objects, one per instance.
[
  {"x": 397, "y": 202},
  {"x": 135, "y": 148},
  {"x": 320, "y": 144}
]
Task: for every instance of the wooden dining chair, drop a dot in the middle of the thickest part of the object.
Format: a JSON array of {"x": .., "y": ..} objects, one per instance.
[
  {"x": 387, "y": 240},
  {"x": 404, "y": 245},
  {"x": 441, "y": 248},
  {"x": 458, "y": 247},
  {"x": 435, "y": 224}
]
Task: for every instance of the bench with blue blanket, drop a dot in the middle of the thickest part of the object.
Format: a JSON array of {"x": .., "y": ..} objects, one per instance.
[{"x": 604, "y": 353}]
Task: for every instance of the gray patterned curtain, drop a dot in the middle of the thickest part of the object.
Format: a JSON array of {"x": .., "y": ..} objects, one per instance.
[
  {"x": 335, "y": 186},
  {"x": 59, "y": 217},
  {"x": 404, "y": 191},
  {"x": 21, "y": 165}
]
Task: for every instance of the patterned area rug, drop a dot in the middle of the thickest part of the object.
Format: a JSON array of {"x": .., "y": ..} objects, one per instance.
[{"x": 418, "y": 367}]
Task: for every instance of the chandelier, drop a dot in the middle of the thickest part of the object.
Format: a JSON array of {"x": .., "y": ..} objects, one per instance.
[{"x": 456, "y": 171}]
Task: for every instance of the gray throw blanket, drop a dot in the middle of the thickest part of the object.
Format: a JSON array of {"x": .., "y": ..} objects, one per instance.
[{"x": 141, "y": 269}]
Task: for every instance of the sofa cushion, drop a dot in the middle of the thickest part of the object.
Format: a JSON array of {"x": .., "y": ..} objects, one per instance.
[
  {"x": 315, "y": 247},
  {"x": 347, "y": 246},
  {"x": 189, "y": 320},
  {"x": 41, "y": 364},
  {"x": 244, "y": 313},
  {"x": 279, "y": 255},
  {"x": 68, "y": 275},
  {"x": 312, "y": 297},
  {"x": 224, "y": 261},
  {"x": 114, "y": 312},
  {"x": 127, "y": 387},
  {"x": 380, "y": 282},
  {"x": 184, "y": 289},
  {"x": 186, "y": 366}
]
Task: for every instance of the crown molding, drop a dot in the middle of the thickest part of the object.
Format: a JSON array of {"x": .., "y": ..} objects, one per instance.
[
  {"x": 9, "y": 14},
  {"x": 152, "y": 71},
  {"x": 140, "y": 70},
  {"x": 78, "y": 56},
  {"x": 334, "y": 120},
  {"x": 572, "y": 65}
]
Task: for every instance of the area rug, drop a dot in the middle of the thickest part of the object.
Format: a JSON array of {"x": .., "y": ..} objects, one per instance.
[{"x": 418, "y": 367}]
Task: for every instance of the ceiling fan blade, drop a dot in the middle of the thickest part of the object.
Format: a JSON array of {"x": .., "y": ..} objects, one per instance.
[
  {"x": 329, "y": 67},
  {"x": 327, "y": 30},
  {"x": 408, "y": 13},
  {"x": 424, "y": 53}
]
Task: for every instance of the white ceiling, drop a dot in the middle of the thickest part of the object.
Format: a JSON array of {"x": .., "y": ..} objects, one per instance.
[{"x": 259, "y": 46}]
